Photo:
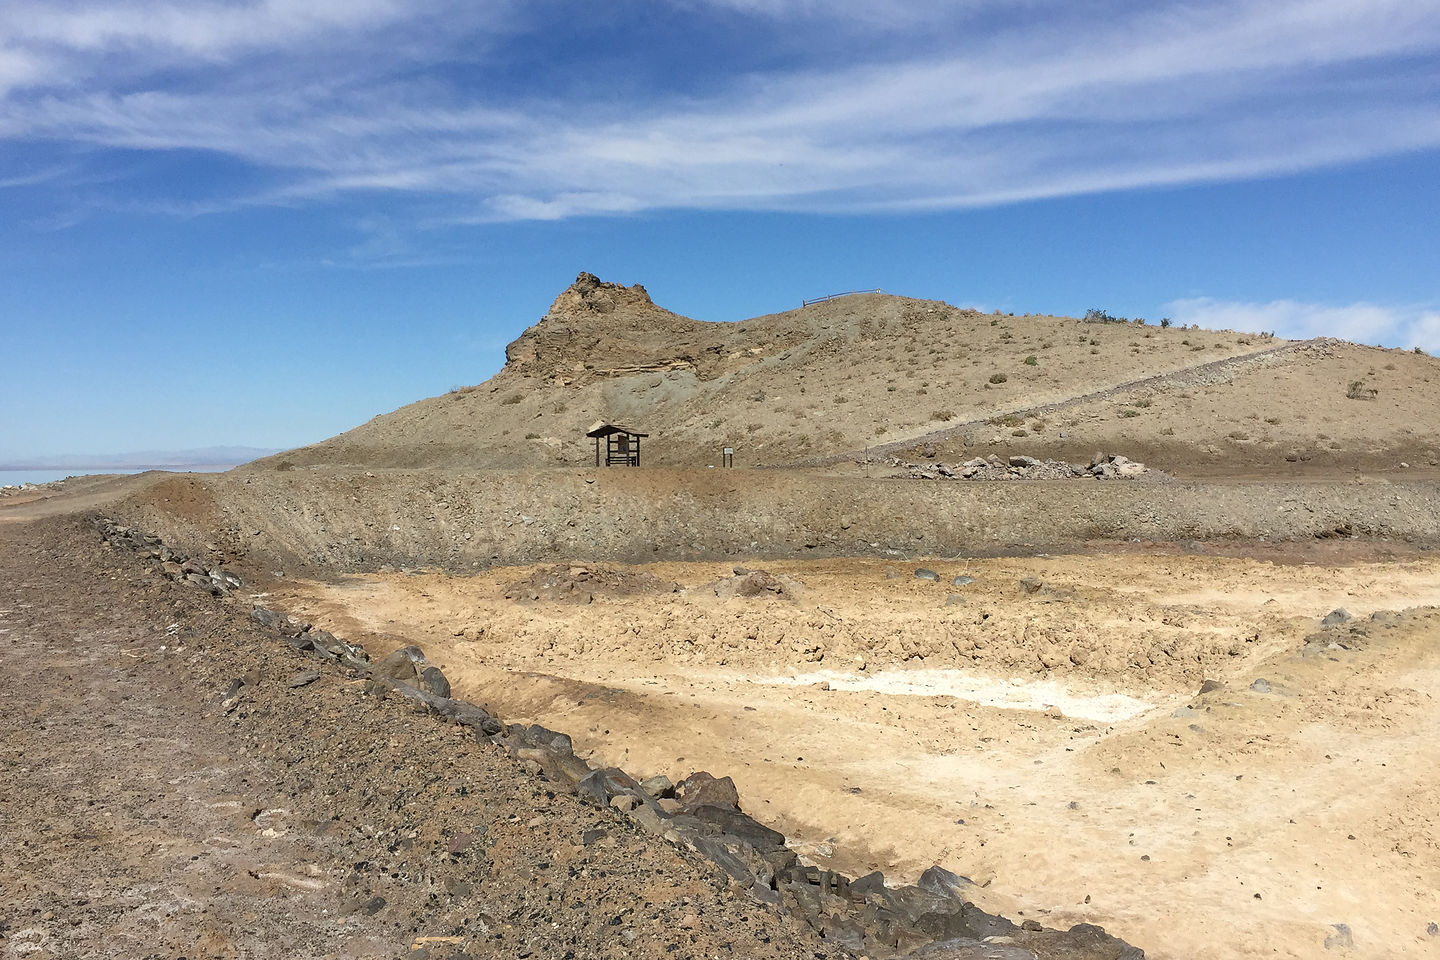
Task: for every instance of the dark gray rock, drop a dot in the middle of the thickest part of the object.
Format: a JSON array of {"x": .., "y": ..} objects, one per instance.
[
  {"x": 549, "y": 739},
  {"x": 604, "y": 784},
  {"x": 1336, "y": 617},
  {"x": 962, "y": 581},
  {"x": 432, "y": 680},
  {"x": 925, "y": 574},
  {"x": 943, "y": 883},
  {"x": 843, "y": 932},
  {"x": 468, "y": 715},
  {"x": 1341, "y": 939},
  {"x": 870, "y": 883},
  {"x": 401, "y": 664},
  {"x": 701, "y": 789},
  {"x": 1261, "y": 685},
  {"x": 732, "y": 822},
  {"x": 723, "y": 856},
  {"x": 304, "y": 678},
  {"x": 1210, "y": 686},
  {"x": 765, "y": 894}
]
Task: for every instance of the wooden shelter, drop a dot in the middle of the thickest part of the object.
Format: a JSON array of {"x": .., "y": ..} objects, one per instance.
[{"x": 622, "y": 444}]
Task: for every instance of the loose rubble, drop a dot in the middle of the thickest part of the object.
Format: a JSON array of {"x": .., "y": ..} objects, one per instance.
[
  {"x": 755, "y": 583},
  {"x": 1101, "y": 467},
  {"x": 578, "y": 583},
  {"x": 701, "y": 814},
  {"x": 215, "y": 580}
]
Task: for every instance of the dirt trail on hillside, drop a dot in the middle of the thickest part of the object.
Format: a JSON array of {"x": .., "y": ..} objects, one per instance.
[
  {"x": 1038, "y": 729},
  {"x": 1208, "y": 372}
]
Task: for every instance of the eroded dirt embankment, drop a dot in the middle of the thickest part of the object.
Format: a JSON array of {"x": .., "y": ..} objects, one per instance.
[{"x": 466, "y": 521}]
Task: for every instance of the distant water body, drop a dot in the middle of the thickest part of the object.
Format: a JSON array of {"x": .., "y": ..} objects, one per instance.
[{"x": 13, "y": 478}]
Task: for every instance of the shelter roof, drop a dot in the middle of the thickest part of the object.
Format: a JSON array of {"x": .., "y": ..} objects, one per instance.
[{"x": 602, "y": 429}]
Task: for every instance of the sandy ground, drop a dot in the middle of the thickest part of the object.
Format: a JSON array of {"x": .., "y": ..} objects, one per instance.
[{"x": 1051, "y": 745}]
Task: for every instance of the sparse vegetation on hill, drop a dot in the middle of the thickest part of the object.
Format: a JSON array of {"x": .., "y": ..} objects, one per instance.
[{"x": 830, "y": 378}]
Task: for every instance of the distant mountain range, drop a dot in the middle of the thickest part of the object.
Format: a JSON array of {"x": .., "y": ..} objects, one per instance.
[{"x": 199, "y": 457}]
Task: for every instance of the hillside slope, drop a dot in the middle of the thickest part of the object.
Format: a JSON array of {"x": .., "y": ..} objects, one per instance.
[{"x": 832, "y": 380}]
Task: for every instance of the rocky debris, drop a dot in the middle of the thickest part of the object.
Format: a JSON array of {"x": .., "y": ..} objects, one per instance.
[
  {"x": 1102, "y": 467},
  {"x": 1342, "y": 634},
  {"x": 15, "y": 489},
  {"x": 215, "y": 580},
  {"x": 755, "y": 583},
  {"x": 577, "y": 583},
  {"x": 704, "y": 817},
  {"x": 1116, "y": 467},
  {"x": 1031, "y": 585}
]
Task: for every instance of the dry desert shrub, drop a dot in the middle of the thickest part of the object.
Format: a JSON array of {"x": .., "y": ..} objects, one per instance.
[{"x": 1358, "y": 391}]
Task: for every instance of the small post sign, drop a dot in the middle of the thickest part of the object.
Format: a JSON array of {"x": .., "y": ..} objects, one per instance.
[{"x": 727, "y": 458}]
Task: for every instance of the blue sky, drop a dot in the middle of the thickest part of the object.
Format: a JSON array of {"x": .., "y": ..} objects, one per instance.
[{"x": 265, "y": 221}]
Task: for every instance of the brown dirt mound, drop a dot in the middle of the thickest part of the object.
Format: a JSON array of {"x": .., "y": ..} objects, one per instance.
[{"x": 572, "y": 583}]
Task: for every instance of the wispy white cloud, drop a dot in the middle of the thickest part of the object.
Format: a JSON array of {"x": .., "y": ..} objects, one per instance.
[
  {"x": 202, "y": 28},
  {"x": 1389, "y": 326},
  {"x": 1042, "y": 106}
]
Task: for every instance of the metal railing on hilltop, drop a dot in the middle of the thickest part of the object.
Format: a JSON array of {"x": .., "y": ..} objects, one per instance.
[{"x": 836, "y": 296}]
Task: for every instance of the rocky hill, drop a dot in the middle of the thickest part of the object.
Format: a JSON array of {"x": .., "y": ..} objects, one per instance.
[{"x": 875, "y": 374}]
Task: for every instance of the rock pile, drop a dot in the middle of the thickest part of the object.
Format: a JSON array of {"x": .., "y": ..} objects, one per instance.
[
  {"x": 14, "y": 489},
  {"x": 215, "y": 580},
  {"x": 1102, "y": 467},
  {"x": 701, "y": 814},
  {"x": 1341, "y": 633}
]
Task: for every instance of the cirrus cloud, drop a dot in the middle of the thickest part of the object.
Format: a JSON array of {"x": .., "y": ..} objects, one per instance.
[{"x": 323, "y": 98}]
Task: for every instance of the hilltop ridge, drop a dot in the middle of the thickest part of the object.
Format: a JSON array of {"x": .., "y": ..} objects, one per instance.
[{"x": 830, "y": 381}]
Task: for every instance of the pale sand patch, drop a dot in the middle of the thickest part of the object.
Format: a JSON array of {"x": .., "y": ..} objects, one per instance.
[{"x": 1012, "y": 694}]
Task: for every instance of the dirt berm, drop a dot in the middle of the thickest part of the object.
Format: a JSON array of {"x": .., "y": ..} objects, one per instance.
[
  {"x": 462, "y": 521},
  {"x": 319, "y": 811}
]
